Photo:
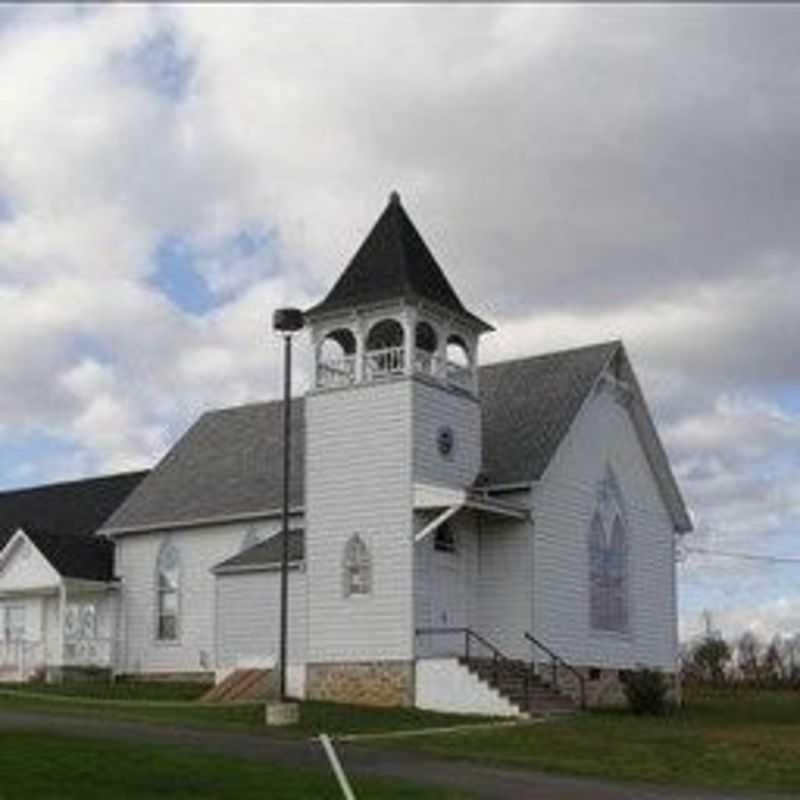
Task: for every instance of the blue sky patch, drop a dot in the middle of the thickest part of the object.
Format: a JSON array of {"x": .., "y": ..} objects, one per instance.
[
  {"x": 178, "y": 279},
  {"x": 84, "y": 346},
  {"x": 158, "y": 64},
  {"x": 29, "y": 459},
  {"x": 6, "y": 210}
]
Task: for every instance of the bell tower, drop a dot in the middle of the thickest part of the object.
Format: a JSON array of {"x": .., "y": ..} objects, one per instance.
[{"x": 393, "y": 410}]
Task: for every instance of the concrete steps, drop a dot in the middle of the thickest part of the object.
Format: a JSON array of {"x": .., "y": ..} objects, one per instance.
[
  {"x": 242, "y": 685},
  {"x": 515, "y": 681}
]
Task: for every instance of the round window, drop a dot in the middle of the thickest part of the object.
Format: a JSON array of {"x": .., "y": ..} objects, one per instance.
[{"x": 445, "y": 440}]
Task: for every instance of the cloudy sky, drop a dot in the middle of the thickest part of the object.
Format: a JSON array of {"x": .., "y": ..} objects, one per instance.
[{"x": 169, "y": 175}]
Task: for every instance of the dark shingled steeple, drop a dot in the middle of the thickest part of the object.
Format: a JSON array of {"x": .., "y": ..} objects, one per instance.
[{"x": 393, "y": 263}]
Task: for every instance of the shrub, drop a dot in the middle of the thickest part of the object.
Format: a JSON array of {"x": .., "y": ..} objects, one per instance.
[{"x": 646, "y": 692}]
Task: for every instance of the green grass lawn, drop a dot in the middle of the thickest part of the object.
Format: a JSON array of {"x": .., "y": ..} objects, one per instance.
[
  {"x": 37, "y": 766},
  {"x": 747, "y": 741},
  {"x": 140, "y": 705}
]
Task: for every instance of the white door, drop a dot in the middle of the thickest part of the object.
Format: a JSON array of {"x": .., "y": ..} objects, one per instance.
[{"x": 447, "y": 603}]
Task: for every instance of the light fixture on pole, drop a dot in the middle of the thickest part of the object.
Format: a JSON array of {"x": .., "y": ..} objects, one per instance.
[{"x": 286, "y": 321}]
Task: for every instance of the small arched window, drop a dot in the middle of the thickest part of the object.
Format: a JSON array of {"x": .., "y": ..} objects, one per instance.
[
  {"x": 168, "y": 586},
  {"x": 608, "y": 601},
  {"x": 357, "y": 567}
]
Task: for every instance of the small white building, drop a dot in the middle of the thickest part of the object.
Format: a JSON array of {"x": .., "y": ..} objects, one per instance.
[{"x": 458, "y": 530}]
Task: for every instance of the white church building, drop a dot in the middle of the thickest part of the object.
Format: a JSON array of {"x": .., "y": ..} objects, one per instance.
[{"x": 490, "y": 538}]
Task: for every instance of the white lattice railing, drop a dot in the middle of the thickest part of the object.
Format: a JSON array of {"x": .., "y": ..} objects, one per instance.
[
  {"x": 19, "y": 658},
  {"x": 336, "y": 371},
  {"x": 385, "y": 362},
  {"x": 391, "y": 361},
  {"x": 97, "y": 652},
  {"x": 459, "y": 375},
  {"x": 428, "y": 363}
]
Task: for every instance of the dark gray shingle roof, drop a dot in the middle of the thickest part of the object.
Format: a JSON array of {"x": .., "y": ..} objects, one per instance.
[
  {"x": 527, "y": 407},
  {"x": 86, "y": 557},
  {"x": 265, "y": 554},
  {"x": 229, "y": 462},
  {"x": 393, "y": 263},
  {"x": 61, "y": 518}
]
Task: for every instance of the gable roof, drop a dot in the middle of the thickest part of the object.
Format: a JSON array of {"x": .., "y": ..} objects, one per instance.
[
  {"x": 85, "y": 557},
  {"x": 71, "y": 508},
  {"x": 61, "y": 518},
  {"x": 265, "y": 554},
  {"x": 527, "y": 407},
  {"x": 228, "y": 464},
  {"x": 393, "y": 263}
]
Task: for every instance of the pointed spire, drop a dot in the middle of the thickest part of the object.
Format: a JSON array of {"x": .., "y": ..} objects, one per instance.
[{"x": 393, "y": 263}]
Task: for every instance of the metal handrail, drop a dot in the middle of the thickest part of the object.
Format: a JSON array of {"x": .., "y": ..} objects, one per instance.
[
  {"x": 556, "y": 659},
  {"x": 497, "y": 655}
]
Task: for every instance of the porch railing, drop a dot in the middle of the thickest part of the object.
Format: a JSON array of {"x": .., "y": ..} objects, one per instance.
[
  {"x": 555, "y": 661},
  {"x": 337, "y": 371},
  {"x": 96, "y": 652},
  {"x": 21, "y": 656},
  {"x": 383, "y": 363}
]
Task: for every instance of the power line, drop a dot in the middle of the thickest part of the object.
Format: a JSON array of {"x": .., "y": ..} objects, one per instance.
[
  {"x": 708, "y": 551},
  {"x": 687, "y": 549}
]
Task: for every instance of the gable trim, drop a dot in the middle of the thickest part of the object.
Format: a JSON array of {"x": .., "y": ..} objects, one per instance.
[
  {"x": 198, "y": 522},
  {"x": 670, "y": 494},
  {"x": 13, "y": 544}
]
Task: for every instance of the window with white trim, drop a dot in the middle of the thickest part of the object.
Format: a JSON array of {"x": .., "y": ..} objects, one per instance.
[
  {"x": 14, "y": 623},
  {"x": 168, "y": 586},
  {"x": 356, "y": 567},
  {"x": 608, "y": 563}
]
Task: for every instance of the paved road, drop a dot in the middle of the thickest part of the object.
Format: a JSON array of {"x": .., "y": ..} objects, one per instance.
[{"x": 485, "y": 782}]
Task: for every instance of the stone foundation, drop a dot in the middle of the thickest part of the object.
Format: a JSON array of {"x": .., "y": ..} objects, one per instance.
[
  {"x": 370, "y": 683},
  {"x": 604, "y": 687}
]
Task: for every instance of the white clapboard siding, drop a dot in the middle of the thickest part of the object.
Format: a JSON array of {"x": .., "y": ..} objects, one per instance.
[
  {"x": 505, "y": 580},
  {"x": 26, "y": 569},
  {"x": 358, "y": 480},
  {"x": 248, "y": 617},
  {"x": 432, "y": 570},
  {"x": 200, "y": 550},
  {"x": 435, "y": 406},
  {"x": 563, "y": 504}
]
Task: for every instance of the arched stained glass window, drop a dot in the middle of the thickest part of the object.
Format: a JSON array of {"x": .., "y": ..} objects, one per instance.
[
  {"x": 357, "y": 567},
  {"x": 168, "y": 586},
  {"x": 608, "y": 600}
]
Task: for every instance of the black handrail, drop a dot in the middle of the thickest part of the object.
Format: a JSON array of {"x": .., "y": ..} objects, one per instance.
[
  {"x": 497, "y": 655},
  {"x": 556, "y": 659}
]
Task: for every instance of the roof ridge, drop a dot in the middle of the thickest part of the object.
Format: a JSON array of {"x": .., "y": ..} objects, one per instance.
[
  {"x": 554, "y": 353},
  {"x": 74, "y": 481}
]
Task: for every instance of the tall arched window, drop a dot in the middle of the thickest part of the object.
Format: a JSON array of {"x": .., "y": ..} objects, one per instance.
[
  {"x": 608, "y": 593},
  {"x": 168, "y": 587},
  {"x": 357, "y": 567}
]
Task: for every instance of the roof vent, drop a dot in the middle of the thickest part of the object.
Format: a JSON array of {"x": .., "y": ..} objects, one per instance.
[{"x": 394, "y": 197}]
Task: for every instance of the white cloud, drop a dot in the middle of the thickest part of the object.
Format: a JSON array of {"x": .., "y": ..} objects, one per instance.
[{"x": 575, "y": 179}]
